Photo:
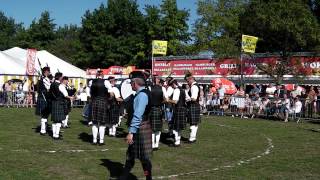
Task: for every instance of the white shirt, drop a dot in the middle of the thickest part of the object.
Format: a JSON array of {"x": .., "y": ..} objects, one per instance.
[
  {"x": 168, "y": 92},
  {"x": 116, "y": 92},
  {"x": 297, "y": 107},
  {"x": 286, "y": 102},
  {"x": 176, "y": 94},
  {"x": 221, "y": 92},
  {"x": 194, "y": 91},
  {"x": 26, "y": 86},
  {"x": 270, "y": 91},
  {"x": 46, "y": 82},
  {"x": 63, "y": 90}
]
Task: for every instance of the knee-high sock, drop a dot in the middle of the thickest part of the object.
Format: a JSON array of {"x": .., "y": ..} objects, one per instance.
[
  {"x": 158, "y": 134},
  {"x": 177, "y": 137},
  {"x": 193, "y": 133},
  {"x": 43, "y": 125},
  {"x": 102, "y": 130},
  {"x": 153, "y": 140},
  {"x": 120, "y": 119},
  {"x": 54, "y": 130},
  {"x": 114, "y": 130},
  {"x": 110, "y": 131},
  {"x": 66, "y": 121},
  {"x": 94, "y": 133},
  {"x": 58, "y": 126}
]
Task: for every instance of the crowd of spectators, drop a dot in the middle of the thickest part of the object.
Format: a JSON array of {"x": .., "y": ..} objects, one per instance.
[{"x": 268, "y": 101}]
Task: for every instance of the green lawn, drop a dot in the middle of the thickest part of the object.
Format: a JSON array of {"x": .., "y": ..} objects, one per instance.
[{"x": 227, "y": 148}]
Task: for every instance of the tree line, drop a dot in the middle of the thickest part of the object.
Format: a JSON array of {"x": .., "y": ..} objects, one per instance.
[{"x": 118, "y": 33}]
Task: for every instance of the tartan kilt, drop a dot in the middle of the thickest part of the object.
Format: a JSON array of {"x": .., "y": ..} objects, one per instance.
[
  {"x": 179, "y": 118},
  {"x": 155, "y": 117},
  {"x": 142, "y": 142},
  {"x": 43, "y": 108},
  {"x": 114, "y": 115},
  {"x": 68, "y": 106},
  {"x": 58, "y": 111},
  {"x": 99, "y": 112},
  {"x": 194, "y": 113}
]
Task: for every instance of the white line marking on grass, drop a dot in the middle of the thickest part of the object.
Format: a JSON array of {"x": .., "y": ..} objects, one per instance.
[{"x": 267, "y": 151}]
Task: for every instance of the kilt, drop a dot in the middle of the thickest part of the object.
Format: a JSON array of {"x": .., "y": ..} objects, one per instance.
[
  {"x": 142, "y": 143},
  {"x": 99, "y": 112},
  {"x": 43, "y": 107},
  {"x": 58, "y": 111},
  {"x": 68, "y": 106},
  {"x": 179, "y": 118},
  {"x": 114, "y": 114},
  {"x": 155, "y": 117},
  {"x": 194, "y": 113}
]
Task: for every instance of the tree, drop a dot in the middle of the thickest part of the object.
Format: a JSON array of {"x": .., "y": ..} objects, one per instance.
[
  {"x": 42, "y": 32},
  {"x": 174, "y": 26},
  {"x": 8, "y": 31},
  {"x": 113, "y": 35},
  {"x": 284, "y": 27},
  {"x": 218, "y": 28}
]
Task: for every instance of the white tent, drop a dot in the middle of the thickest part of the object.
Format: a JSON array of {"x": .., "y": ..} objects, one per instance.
[
  {"x": 56, "y": 64},
  {"x": 10, "y": 65}
]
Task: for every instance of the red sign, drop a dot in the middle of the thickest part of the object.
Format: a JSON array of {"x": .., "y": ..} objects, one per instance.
[
  {"x": 227, "y": 84},
  {"x": 31, "y": 60},
  {"x": 304, "y": 65},
  {"x": 113, "y": 70}
]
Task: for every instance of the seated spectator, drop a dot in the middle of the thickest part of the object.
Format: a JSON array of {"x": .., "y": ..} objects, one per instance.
[
  {"x": 224, "y": 105},
  {"x": 296, "y": 92},
  {"x": 297, "y": 108},
  {"x": 285, "y": 106},
  {"x": 264, "y": 107},
  {"x": 255, "y": 90},
  {"x": 248, "y": 104},
  {"x": 270, "y": 91}
]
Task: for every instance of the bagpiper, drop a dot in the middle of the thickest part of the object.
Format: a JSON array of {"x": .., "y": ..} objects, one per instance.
[
  {"x": 156, "y": 113},
  {"x": 43, "y": 100},
  {"x": 193, "y": 107},
  {"x": 71, "y": 92},
  {"x": 179, "y": 111},
  {"x": 100, "y": 107},
  {"x": 115, "y": 102},
  {"x": 139, "y": 137},
  {"x": 59, "y": 94}
]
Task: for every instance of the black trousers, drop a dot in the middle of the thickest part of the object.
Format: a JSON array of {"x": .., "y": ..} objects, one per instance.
[{"x": 130, "y": 161}]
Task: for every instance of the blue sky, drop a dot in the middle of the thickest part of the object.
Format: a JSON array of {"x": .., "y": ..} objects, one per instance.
[{"x": 71, "y": 11}]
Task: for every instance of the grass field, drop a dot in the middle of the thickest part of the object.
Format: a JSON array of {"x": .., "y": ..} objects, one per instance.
[{"x": 227, "y": 148}]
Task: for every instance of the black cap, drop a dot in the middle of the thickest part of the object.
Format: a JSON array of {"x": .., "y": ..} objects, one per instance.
[
  {"x": 44, "y": 69},
  {"x": 188, "y": 75},
  {"x": 58, "y": 75},
  {"x": 138, "y": 74},
  {"x": 111, "y": 78},
  {"x": 65, "y": 78}
]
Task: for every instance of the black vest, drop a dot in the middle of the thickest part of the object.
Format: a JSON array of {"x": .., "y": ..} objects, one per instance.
[
  {"x": 98, "y": 89},
  {"x": 131, "y": 109},
  {"x": 182, "y": 98},
  {"x": 55, "y": 93},
  {"x": 189, "y": 93},
  {"x": 41, "y": 88},
  {"x": 157, "y": 95}
]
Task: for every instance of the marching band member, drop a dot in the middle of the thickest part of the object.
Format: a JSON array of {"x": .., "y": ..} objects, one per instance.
[
  {"x": 114, "y": 106},
  {"x": 58, "y": 93},
  {"x": 193, "y": 107},
  {"x": 156, "y": 111},
  {"x": 43, "y": 101}
]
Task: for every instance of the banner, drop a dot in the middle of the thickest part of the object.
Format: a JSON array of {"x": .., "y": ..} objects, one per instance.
[
  {"x": 159, "y": 47},
  {"x": 113, "y": 70},
  {"x": 225, "y": 67},
  {"x": 249, "y": 44},
  {"x": 31, "y": 59}
]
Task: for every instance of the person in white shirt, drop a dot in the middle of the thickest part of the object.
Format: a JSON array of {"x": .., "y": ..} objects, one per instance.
[
  {"x": 285, "y": 107},
  {"x": 297, "y": 107},
  {"x": 193, "y": 106},
  {"x": 114, "y": 106},
  {"x": 58, "y": 93},
  {"x": 270, "y": 91},
  {"x": 168, "y": 92}
]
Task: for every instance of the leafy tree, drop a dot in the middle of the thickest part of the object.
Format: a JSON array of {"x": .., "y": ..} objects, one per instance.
[
  {"x": 218, "y": 28},
  {"x": 8, "y": 31},
  {"x": 113, "y": 35},
  {"x": 42, "y": 32}
]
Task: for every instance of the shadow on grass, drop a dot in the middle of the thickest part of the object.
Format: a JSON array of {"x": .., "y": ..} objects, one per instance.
[
  {"x": 121, "y": 133},
  {"x": 85, "y": 137},
  {"x": 84, "y": 122},
  {"x": 167, "y": 139},
  {"x": 115, "y": 169}
]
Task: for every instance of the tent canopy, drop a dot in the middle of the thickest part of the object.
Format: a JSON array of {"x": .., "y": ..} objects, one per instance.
[
  {"x": 56, "y": 64},
  {"x": 10, "y": 65}
]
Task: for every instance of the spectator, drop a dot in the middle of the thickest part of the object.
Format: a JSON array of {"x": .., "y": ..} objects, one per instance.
[
  {"x": 285, "y": 107},
  {"x": 312, "y": 97},
  {"x": 241, "y": 100},
  {"x": 264, "y": 107},
  {"x": 270, "y": 91},
  {"x": 255, "y": 90},
  {"x": 221, "y": 92},
  {"x": 297, "y": 108},
  {"x": 280, "y": 91},
  {"x": 9, "y": 93},
  {"x": 296, "y": 92},
  {"x": 248, "y": 105}
]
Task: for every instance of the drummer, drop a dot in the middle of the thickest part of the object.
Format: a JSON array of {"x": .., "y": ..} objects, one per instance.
[{"x": 115, "y": 102}]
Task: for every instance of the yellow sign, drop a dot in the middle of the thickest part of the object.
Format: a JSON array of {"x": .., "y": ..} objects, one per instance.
[
  {"x": 249, "y": 44},
  {"x": 159, "y": 47}
]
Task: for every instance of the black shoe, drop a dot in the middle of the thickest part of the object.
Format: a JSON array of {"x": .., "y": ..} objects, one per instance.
[
  {"x": 94, "y": 144},
  {"x": 174, "y": 145},
  {"x": 155, "y": 149},
  {"x": 101, "y": 144},
  {"x": 43, "y": 134}
]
